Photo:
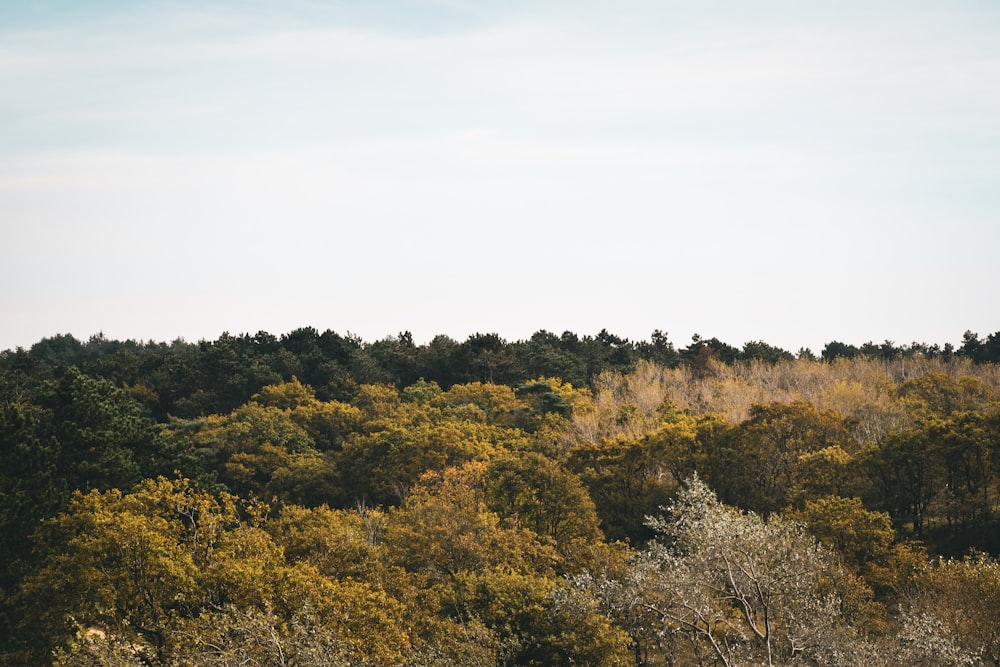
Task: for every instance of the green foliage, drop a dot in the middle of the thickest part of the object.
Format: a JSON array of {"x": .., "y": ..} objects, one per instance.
[
  {"x": 30, "y": 489},
  {"x": 421, "y": 391},
  {"x": 385, "y": 464},
  {"x": 172, "y": 575},
  {"x": 534, "y": 492},
  {"x": 124, "y": 564},
  {"x": 940, "y": 394},
  {"x": 861, "y": 537},
  {"x": 768, "y": 449},
  {"x": 444, "y": 528},
  {"x": 460, "y": 503},
  {"x": 941, "y": 474},
  {"x": 626, "y": 479},
  {"x": 103, "y": 438}
]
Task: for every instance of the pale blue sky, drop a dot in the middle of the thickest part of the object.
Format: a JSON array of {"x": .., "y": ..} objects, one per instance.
[{"x": 796, "y": 172}]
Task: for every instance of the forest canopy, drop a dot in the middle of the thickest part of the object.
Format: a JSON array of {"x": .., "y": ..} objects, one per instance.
[{"x": 317, "y": 499}]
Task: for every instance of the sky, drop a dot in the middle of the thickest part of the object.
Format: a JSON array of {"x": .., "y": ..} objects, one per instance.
[{"x": 792, "y": 172}]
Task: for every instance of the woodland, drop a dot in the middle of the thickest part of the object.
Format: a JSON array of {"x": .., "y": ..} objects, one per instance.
[{"x": 316, "y": 499}]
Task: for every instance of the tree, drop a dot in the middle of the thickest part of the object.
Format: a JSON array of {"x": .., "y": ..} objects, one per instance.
[
  {"x": 941, "y": 394},
  {"x": 444, "y": 528},
  {"x": 626, "y": 478},
  {"x": 248, "y": 446},
  {"x": 862, "y": 538},
  {"x": 835, "y": 349},
  {"x": 767, "y": 450},
  {"x": 172, "y": 575},
  {"x": 232, "y": 369},
  {"x": 124, "y": 564},
  {"x": 396, "y": 357},
  {"x": 439, "y": 361},
  {"x": 758, "y": 349},
  {"x": 534, "y": 492},
  {"x": 493, "y": 572},
  {"x": 487, "y": 357},
  {"x": 340, "y": 544},
  {"x": 739, "y": 589},
  {"x": 103, "y": 438},
  {"x": 421, "y": 392},
  {"x": 61, "y": 350},
  {"x": 498, "y": 402},
  {"x": 964, "y": 441},
  {"x": 523, "y": 610},
  {"x": 949, "y": 618},
  {"x": 545, "y": 355},
  {"x": 907, "y": 474},
  {"x": 285, "y": 395},
  {"x": 659, "y": 350},
  {"x": 381, "y": 466},
  {"x": 545, "y": 398},
  {"x": 702, "y": 349},
  {"x": 325, "y": 360},
  {"x": 30, "y": 490},
  {"x": 830, "y": 471}
]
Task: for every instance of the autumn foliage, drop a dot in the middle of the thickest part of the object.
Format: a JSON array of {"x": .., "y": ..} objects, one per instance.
[{"x": 318, "y": 500}]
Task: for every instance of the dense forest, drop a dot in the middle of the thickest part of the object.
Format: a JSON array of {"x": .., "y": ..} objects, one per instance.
[{"x": 316, "y": 499}]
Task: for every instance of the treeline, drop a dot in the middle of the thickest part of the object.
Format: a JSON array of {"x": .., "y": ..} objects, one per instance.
[
  {"x": 188, "y": 379},
  {"x": 314, "y": 499}
]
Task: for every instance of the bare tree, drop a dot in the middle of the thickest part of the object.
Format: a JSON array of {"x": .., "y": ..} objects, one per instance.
[{"x": 723, "y": 587}]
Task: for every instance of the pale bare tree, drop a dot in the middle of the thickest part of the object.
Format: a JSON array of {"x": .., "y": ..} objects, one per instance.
[{"x": 723, "y": 587}]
